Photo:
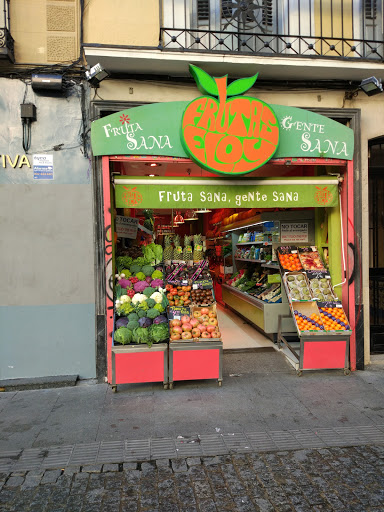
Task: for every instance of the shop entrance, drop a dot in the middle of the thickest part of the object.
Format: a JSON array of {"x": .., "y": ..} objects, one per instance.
[{"x": 242, "y": 246}]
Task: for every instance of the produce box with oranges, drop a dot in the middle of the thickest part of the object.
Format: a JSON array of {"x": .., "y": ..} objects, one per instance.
[
  {"x": 307, "y": 318},
  {"x": 333, "y": 317},
  {"x": 289, "y": 259}
]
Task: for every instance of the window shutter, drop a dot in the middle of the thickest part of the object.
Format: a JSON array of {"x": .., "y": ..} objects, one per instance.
[
  {"x": 202, "y": 10},
  {"x": 370, "y": 9},
  {"x": 267, "y": 13}
]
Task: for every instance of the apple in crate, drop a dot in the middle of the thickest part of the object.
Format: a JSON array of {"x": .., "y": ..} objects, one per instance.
[{"x": 194, "y": 322}]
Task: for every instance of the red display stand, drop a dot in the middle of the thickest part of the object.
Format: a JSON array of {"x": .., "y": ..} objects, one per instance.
[
  {"x": 133, "y": 364},
  {"x": 195, "y": 361}
]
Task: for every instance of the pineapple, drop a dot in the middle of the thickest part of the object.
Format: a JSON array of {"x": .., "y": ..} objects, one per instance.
[
  {"x": 177, "y": 255},
  {"x": 187, "y": 252},
  {"x": 168, "y": 249},
  {"x": 198, "y": 248}
]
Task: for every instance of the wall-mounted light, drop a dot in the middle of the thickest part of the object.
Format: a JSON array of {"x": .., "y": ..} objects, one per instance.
[
  {"x": 151, "y": 175},
  {"x": 96, "y": 75},
  {"x": 371, "y": 86},
  {"x": 153, "y": 164}
]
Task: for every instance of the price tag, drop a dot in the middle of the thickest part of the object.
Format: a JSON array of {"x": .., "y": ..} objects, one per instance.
[
  {"x": 199, "y": 247},
  {"x": 179, "y": 249},
  {"x": 185, "y": 282},
  {"x": 189, "y": 249},
  {"x": 195, "y": 286}
]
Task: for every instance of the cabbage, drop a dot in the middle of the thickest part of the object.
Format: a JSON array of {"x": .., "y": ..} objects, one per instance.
[
  {"x": 145, "y": 322},
  {"x": 159, "y": 332},
  {"x": 160, "y": 319},
  {"x": 123, "y": 336},
  {"x": 121, "y": 322}
]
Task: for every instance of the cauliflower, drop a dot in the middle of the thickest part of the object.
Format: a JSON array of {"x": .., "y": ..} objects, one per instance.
[
  {"x": 138, "y": 298},
  {"x": 157, "y": 296},
  {"x": 140, "y": 286},
  {"x": 125, "y": 298},
  {"x": 157, "y": 275},
  {"x": 157, "y": 283}
]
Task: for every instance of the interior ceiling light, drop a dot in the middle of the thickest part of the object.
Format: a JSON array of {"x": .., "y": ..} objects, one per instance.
[
  {"x": 203, "y": 210},
  {"x": 179, "y": 219},
  {"x": 151, "y": 175},
  {"x": 371, "y": 86},
  {"x": 152, "y": 164},
  {"x": 190, "y": 215}
]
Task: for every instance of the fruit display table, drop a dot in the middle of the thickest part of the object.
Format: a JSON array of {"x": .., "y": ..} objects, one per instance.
[
  {"x": 139, "y": 363},
  {"x": 195, "y": 360}
]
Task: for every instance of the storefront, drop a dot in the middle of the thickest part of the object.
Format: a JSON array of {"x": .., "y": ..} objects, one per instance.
[{"x": 272, "y": 184}]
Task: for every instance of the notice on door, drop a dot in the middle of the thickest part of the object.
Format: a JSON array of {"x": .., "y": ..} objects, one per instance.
[
  {"x": 43, "y": 167},
  {"x": 294, "y": 232},
  {"x": 126, "y": 227}
]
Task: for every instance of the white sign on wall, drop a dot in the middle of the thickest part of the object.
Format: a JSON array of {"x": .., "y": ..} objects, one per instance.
[
  {"x": 294, "y": 232},
  {"x": 43, "y": 167},
  {"x": 126, "y": 227}
]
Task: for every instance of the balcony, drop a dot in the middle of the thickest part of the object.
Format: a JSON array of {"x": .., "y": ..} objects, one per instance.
[
  {"x": 7, "y": 45},
  {"x": 343, "y": 29}
]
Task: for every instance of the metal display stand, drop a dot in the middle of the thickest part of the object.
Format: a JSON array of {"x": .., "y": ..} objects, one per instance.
[
  {"x": 134, "y": 364},
  {"x": 197, "y": 360}
]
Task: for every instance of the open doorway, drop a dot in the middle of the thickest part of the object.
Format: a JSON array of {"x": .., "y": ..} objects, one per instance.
[{"x": 376, "y": 244}]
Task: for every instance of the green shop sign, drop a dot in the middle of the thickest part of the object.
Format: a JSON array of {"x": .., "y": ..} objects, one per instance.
[
  {"x": 231, "y": 135},
  {"x": 135, "y": 192}
]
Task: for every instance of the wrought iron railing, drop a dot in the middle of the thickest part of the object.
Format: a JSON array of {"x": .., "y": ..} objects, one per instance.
[
  {"x": 323, "y": 28},
  {"x": 7, "y": 45}
]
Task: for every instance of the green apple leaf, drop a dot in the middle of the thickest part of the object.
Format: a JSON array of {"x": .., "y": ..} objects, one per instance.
[
  {"x": 241, "y": 86},
  {"x": 205, "y": 83}
]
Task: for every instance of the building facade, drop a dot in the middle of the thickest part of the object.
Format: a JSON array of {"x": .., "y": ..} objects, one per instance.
[{"x": 311, "y": 55}]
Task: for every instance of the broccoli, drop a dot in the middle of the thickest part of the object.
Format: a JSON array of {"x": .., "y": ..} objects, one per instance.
[
  {"x": 133, "y": 316},
  {"x": 148, "y": 291},
  {"x": 135, "y": 268},
  {"x": 123, "y": 335},
  {"x": 152, "y": 313},
  {"x": 150, "y": 303},
  {"x": 133, "y": 324},
  {"x": 141, "y": 313},
  {"x": 140, "y": 276},
  {"x": 148, "y": 270}
]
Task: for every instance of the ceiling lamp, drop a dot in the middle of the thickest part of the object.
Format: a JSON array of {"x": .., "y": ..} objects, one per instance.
[
  {"x": 203, "y": 210},
  {"x": 190, "y": 215},
  {"x": 179, "y": 219},
  {"x": 371, "y": 86}
]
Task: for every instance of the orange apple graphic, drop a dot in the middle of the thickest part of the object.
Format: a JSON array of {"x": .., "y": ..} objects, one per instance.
[{"x": 228, "y": 136}]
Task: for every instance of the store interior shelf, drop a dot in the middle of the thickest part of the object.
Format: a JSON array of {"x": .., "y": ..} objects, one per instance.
[
  {"x": 253, "y": 243},
  {"x": 241, "y": 225},
  {"x": 253, "y": 261},
  {"x": 245, "y": 296},
  {"x": 274, "y": 266}
]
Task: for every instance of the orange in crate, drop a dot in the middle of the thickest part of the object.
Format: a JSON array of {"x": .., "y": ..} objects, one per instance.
[
  {"x": 290, "y": 261},
  {"x": 334, "y": 319}
]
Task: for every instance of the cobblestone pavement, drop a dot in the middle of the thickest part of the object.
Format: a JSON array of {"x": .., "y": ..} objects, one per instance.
[{"x": 324, "y": 479}]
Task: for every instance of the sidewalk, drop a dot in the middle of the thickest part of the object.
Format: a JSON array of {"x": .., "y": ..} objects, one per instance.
[{"x": 265, "y": 441}]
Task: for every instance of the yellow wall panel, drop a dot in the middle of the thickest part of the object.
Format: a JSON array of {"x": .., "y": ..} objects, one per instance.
[{"x": 122, "y": 23}]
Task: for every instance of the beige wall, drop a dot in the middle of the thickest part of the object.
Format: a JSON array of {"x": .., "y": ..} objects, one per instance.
[
  {"x": 372, "y": 125},
  {"x": 137, "y": 23},
  {"x": 45, "y": 31}
]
